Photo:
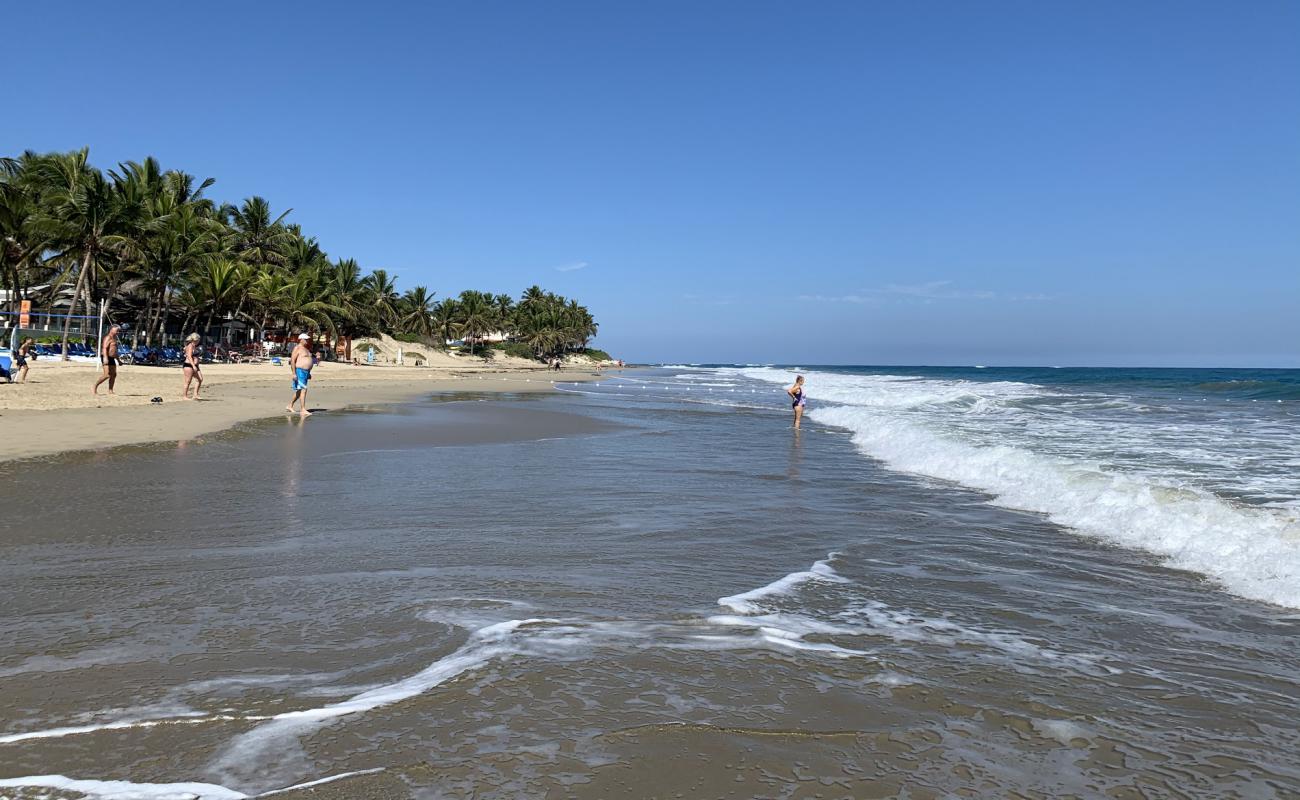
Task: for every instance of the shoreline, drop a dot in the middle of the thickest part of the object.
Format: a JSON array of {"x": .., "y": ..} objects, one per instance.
[{"x": 61, "y": 416}]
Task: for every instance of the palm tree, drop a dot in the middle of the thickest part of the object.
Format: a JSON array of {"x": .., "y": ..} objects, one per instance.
[
  {"x": 474, "y": 317},
  {"x": 22, "y": 239},
  {"x": 351, "y": 296},
  {"x": 86, "y": 216},
  {"x": 148, "y": 237},
  {"x": 533, "y": 295},
  {"x": 306, "y": 303},
  {"x": 417, "y": 312},
  {"x": 175, "y": 242},
  {"x": 266, "y": 294},
  {"x": 299, "y": 252},
  {"x": 383, "y": 296},
  {"x": 445, "y": 316},
  {"x": 257, "y": 238},
  {"x": 220, "y": 284},
  {"x": 505, "y": 308},
  {"x": 536, "y": 330}
]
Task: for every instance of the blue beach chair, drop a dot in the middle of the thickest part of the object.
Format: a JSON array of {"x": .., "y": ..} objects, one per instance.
[{"x": 6, "y": 369}]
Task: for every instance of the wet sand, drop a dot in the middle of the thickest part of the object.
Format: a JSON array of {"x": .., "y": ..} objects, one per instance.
[{"x": 55, "y": 411}]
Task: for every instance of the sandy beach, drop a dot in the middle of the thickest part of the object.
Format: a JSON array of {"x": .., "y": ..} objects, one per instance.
[{"x": 54, "y": 411}]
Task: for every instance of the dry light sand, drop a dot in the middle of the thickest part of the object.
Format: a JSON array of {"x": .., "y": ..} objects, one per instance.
[{"x": 55, "y": 412}]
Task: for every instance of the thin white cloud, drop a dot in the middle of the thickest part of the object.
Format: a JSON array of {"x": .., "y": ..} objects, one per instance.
[
  {"x": 838, "y": 298},
  {"x": 926, "y": 292},
  {"x": 937, "y": 290},
  {"x": 945, "y": 290},
  {"x": 571, "y": 266}
]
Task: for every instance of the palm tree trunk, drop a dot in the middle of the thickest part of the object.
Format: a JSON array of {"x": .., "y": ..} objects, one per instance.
[
  {"x": 108, "y": 301},
  {"x": 72, "y": 307},
  {"x": 88, "y": 298},
  {"x": 239, "y": 310},
  {"x": 144, "y": 323},
  {"x": 166, "y": 312},
  {"x": 14, "y": 302},
  {"x": 155, "y": 304}
]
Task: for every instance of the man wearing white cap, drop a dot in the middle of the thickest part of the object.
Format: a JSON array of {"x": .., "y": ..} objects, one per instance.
[{"x": 300, "y": 364}]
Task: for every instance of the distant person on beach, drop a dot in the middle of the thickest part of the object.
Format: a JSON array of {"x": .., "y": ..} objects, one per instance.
[
  {"x": 190, "y": 367},
  {"x": 800, "y": 399},
  {"x": 20, "y": 358},
  {"x": 108, "y": 357},
  {"x": 301, "y": 361}
]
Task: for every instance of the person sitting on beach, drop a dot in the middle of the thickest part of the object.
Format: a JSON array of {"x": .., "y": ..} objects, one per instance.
[
  {"x": 190, "y": 367},
  {"x": 796, "y": 393},
  {"x": 108, "y": 357},
  {"x": 20, "y": 358},
  {"x": 301, "y": 361}
]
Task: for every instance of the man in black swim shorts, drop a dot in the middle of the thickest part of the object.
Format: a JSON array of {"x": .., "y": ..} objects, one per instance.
[{"x": 108, "y": 357}]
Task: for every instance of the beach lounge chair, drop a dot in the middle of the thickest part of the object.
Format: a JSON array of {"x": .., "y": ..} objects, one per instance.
[
  {"x": 275, "y": 360},
  {"x": 6, "y": 369}
]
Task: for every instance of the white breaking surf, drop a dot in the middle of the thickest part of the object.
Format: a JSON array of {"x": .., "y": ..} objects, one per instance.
[{"x": 916, "y": 425}]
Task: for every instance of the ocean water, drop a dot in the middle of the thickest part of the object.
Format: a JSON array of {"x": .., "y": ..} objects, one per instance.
[
  {"x": 1199, "y": 466},
  {"x": 1036, "y": 583}
]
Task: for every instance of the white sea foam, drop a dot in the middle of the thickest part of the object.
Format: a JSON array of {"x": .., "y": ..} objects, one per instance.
[
  {"x": 787, "y": 631},
  {"x": 321, "y": 781},
  {"x": 877, "y": 619},
  {"x": 195, "y": 718},
  {"x": 88, "y": 659},
  {"x": 746, "y": 602},
  {"x": 73, "y": 730},
  {"x": 1062, "y": 730},
  {"x": 126, "y": 790},
  {"x": 931, "y": 427},
  {"x": 763, "y": 610},
  {"x": 493, "y": 641}
]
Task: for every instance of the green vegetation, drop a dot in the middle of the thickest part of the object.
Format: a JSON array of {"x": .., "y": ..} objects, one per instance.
[
  {"x": 160, "y": 255},
  {"x": 515, "y": 349},
  {"x": 596, "y": 355}
]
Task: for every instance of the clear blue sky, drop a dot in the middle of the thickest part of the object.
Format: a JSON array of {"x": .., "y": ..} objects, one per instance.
[{"x": 1100, "y": 182}]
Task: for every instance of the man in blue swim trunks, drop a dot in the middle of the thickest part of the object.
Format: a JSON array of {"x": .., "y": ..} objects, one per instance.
[{"x": 300, "y": 364}]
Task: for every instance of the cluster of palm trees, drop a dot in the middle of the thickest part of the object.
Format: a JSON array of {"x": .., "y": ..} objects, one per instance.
[
  {"x": 145, "y": 244},
  {"x": 547, "y": 323}
]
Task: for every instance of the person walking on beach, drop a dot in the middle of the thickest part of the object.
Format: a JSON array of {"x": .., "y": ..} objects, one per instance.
[
  {"x": 190, "y": 367},
  {"x": 108, "y": 357},
  {"x": 301, "y": 361},
  {"x": 800, "y": 399},
  {"x": 20, "y": 358}
]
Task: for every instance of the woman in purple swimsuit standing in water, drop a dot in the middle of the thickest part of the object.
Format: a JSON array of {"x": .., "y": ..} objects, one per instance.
[{"x": 800, "y": 399}]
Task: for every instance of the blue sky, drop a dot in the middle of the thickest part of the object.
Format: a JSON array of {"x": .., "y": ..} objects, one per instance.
[{"x": 860, "y": 182}]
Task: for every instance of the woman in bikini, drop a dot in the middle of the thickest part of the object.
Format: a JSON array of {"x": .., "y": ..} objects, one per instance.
[
  {"x": 800, "y": 399},
  {"x": 190, "y": 366}
]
